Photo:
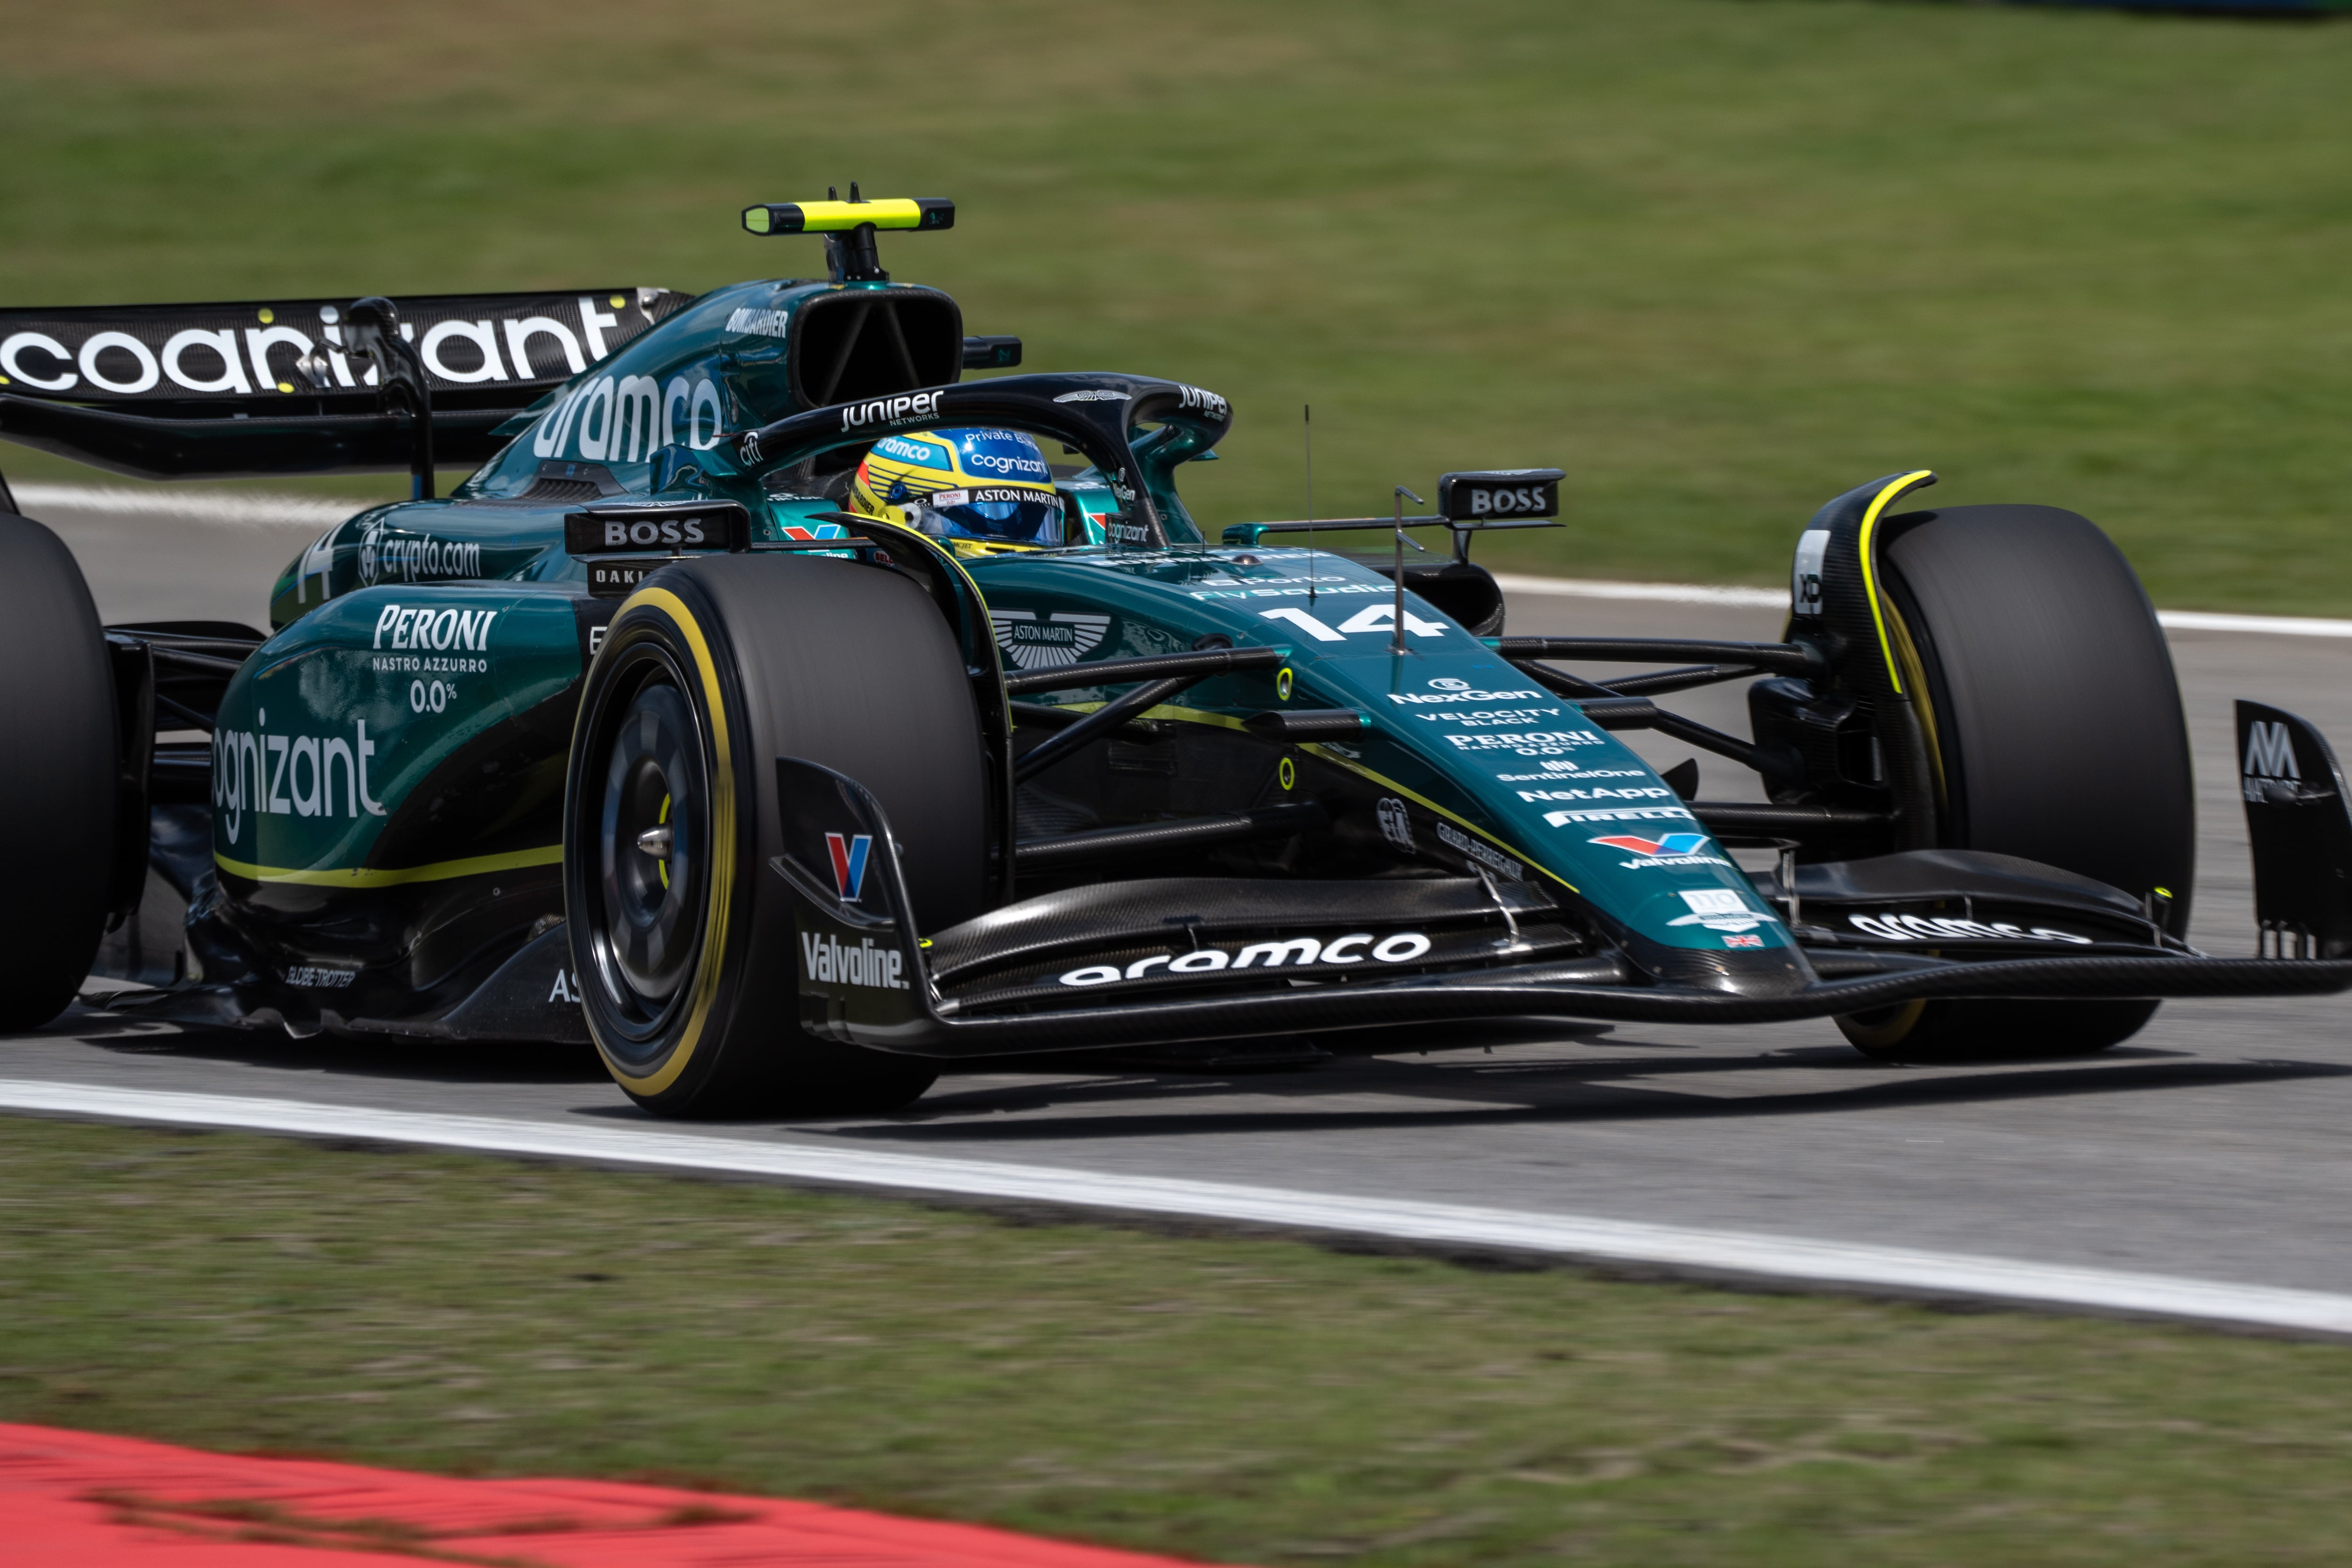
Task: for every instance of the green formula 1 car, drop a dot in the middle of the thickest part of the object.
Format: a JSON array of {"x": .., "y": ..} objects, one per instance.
[{"x": 768, "y": 712}]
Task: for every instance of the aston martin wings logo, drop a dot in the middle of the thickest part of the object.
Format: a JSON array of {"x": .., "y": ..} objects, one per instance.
[
  {"x": 1062, "y": 638},
  {"x": 2270, "y": 751}
]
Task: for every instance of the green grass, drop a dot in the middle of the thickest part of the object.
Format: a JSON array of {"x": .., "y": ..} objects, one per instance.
[
  {"x": 1244, "y": 1401},
  {"x": 1719, "y": 258}
]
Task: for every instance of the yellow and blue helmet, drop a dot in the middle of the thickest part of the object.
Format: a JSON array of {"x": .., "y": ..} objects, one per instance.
[{"x": 989, "y": 487}]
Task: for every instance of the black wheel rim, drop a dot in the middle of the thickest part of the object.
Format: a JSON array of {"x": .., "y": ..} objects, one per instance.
[{"x": 652, "y": 838}]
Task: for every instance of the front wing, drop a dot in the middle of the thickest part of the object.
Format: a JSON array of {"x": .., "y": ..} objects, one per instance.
[{"x": 1170, "y": 959}]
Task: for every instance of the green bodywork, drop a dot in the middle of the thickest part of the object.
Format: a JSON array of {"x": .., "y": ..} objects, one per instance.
[
  {"x": 1488, "y": 768},
  {"x": 405, "y": 727}
]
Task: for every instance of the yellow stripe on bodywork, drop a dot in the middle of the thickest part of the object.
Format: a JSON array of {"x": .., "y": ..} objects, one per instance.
[
  {"x": 1923, "y": 705},
  {"x": 370, "y": 877},
  {"x": 1878, "y": 503},
  {"x": 1165, "y": 710}
]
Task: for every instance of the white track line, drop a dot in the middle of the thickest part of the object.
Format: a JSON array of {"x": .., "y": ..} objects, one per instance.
[
  {"x": 1773, "y": 598},
  {"x": 234, "y": 508},
  {"x": 1667, "y": 1249},
  {"x": 2272, "y": 626},
  {"x": 262, "y": 507}
]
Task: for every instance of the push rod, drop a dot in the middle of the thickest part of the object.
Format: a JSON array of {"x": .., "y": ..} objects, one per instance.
[
  {"x": 1308, "y": 723},
  {"x": 1784, "y": 659},
  {"x": 1047, "y": 716},
  {"x": 1558, "y": 682},
  {"x": 1736, "y": 819},
  {"x": 1109, "y": 716},
  {"x": 219, "y": 647},
  {"x": 1641, "y": 713},
  {"x": 1650, "y": 683},
  {"x": 1198, "y": 664},
  {"x": 1657, "y": 682},
  {"x": 1163, "y": 838},
  {"x": 187, "y": 718},
  {"x": 186, "y": 660}
]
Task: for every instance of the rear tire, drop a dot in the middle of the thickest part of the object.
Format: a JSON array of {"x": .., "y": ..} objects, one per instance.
[
  {"x": 57, "y": 790},
  {"x": 687, "y": 961},
  {"x": 2054, "y": 724}
]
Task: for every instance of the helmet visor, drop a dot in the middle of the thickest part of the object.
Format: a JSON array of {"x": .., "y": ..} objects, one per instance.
[{"x": 1009, "y": 514}]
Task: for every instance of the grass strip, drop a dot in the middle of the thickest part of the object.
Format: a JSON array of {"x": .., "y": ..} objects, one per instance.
[{"x": 1237, "y": 1400}]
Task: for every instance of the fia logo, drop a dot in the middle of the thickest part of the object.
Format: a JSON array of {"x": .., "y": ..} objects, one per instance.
[
  {"x": 849, "y": 857},
  {"x": 1396, "y": 825},
  {"x": 1448, "y": 683}
]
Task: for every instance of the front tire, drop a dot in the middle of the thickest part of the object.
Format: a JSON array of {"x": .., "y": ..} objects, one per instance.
[
  {"x": 57, "y": 789},
  {"x": 2053, "y": 725},
  {"x": 683, "y": 938}
]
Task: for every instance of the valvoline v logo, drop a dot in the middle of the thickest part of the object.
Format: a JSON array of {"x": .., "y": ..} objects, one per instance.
[
  {"x": 849, "y": 857},
  {"x": 1672, "y": 844}
]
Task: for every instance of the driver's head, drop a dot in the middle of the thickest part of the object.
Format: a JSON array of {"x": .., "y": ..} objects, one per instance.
[{"x": 990, "y": 486}]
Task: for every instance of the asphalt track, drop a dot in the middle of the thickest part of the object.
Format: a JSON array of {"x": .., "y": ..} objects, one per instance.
[{"x": 2208, "y": 1148}]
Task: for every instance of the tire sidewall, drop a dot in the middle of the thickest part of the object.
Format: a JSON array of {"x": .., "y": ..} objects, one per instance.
[
  {"x": 1970, "y": 717},
  {"x": 843, "y": 664},
  {"x": 669, "y": 616},
  {"x": 2042, "y": 749},
  {"x": 62, "y": 784}
]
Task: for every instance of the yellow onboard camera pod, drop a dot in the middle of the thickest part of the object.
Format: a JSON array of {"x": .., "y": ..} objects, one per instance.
[
  {"x": 849, "y": 227},
  {"x": 840, "y": 218},
  {"x": 851, "y": 254}
]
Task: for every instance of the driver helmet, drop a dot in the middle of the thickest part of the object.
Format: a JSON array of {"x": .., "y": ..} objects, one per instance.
[{"x": 988, "y": 487}]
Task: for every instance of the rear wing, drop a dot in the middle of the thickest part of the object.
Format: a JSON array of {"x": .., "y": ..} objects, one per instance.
[{"x": 170, "y": 391}]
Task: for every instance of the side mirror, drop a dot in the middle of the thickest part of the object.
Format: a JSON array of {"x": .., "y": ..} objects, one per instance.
[{"x": 1499, "y": 495}]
